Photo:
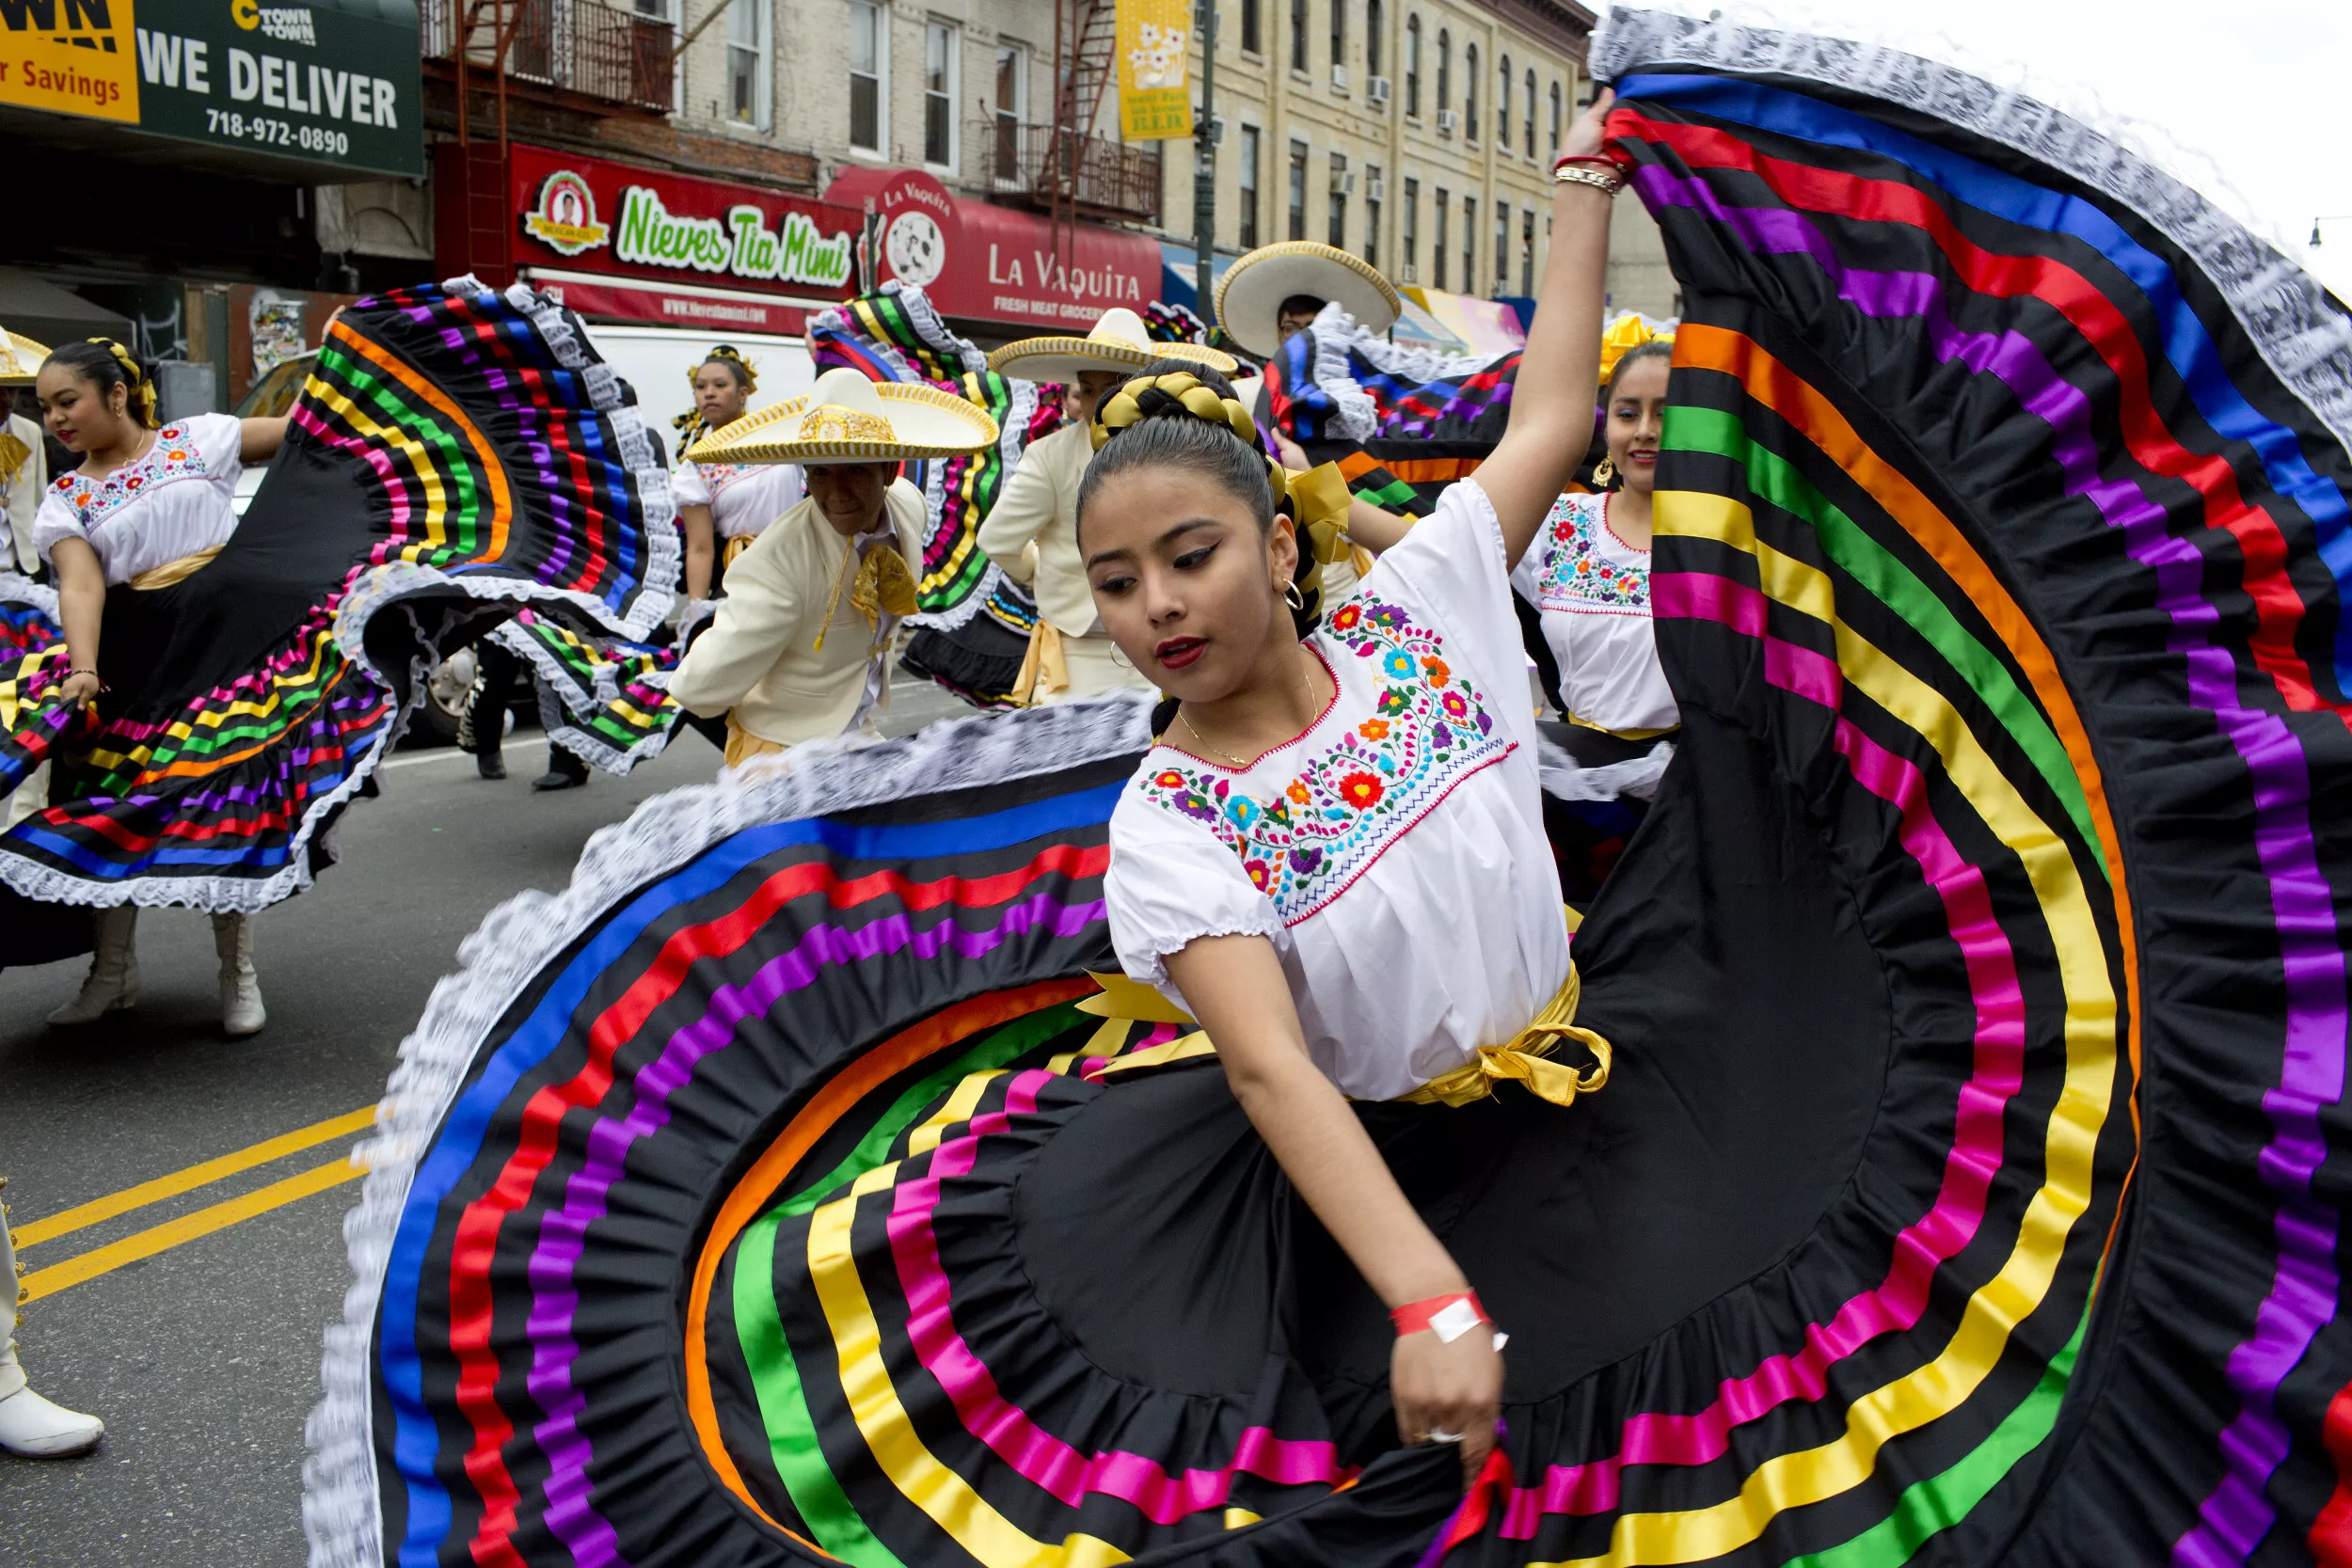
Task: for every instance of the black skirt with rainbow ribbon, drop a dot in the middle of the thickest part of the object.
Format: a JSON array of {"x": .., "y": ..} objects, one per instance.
[
  {"x": 457, "y": 456},
  {"x": 1970, "y": 1186}
]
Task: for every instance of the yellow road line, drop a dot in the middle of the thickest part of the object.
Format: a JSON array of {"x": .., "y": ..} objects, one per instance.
[
  {"x": 99, "y": 1209},
  {"x": 187, "y": 1227}
]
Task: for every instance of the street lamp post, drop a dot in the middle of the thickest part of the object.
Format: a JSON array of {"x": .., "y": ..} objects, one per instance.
[
  {"x": 2329, "y": 217},
  {"x": 1204, "y": 156}
]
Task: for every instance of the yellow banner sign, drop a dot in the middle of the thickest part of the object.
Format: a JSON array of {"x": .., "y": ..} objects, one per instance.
[
  {"x": 70, "y": 57},
  {"x": 1154, "y": 94}
]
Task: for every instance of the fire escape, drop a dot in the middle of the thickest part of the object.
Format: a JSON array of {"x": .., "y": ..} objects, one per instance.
[
  {"x": 1062, "y": 168},
  {"x": 552, "y": 61}
]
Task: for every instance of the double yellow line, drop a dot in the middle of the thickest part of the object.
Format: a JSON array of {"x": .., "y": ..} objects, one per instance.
[{"x": 203, "y": 1222}]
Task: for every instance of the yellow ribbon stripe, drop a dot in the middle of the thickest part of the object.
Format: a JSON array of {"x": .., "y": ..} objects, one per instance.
[
  {"x": 889, "y": 1432},
  {"x": 1934, "y": 1390},
  {"x": 436, "y": 502}
]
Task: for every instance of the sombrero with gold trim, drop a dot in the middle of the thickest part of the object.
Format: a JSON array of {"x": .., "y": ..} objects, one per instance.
[
  {"x": 1250, "y": 296},
  {"x": 20, "y": 358},
  {"x": 1117, "y": 341},
  {"x": 848, "y": 418}
]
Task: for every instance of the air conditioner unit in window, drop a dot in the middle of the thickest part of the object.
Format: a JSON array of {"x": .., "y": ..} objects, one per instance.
[
  {"x": 1377, "y": 89},
  {"x": 1412, "y": 275},
  {"x": 1447, "y": 120},
  {"x": 1375, "y": 189},
  {"x": 1339, "y": 78}
]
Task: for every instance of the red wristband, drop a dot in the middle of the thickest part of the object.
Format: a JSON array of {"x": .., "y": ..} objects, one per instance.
[{"x": 1444, "y": 1316}]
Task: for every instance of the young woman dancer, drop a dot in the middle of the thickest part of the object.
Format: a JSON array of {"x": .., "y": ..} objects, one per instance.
[
  {"x": 1587, "y": 574},
  {"x": 1334, "y": 858},
  {"x": 147, "y": 509},
  {"x": 722, "y": 507}
]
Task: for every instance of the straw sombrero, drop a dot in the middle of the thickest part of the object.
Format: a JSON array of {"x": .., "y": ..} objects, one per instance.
[
  {"x": 1250, "y": 296},
  {"x": 1117, "y": 341},
  {"x": 848, "y": 418},
  {"x": 20, "y": 358}
]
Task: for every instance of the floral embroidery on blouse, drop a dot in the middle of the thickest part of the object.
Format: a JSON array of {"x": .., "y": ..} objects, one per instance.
[
  {"x": 173, "y": 457},
  {"x": 1429, "y": 728},
  {"x": 1577, "y": 576},
  {"x": 718, "y": 476}
]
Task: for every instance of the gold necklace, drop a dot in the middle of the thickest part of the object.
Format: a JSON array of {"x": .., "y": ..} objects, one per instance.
[{"x": 1307, "y": 688}]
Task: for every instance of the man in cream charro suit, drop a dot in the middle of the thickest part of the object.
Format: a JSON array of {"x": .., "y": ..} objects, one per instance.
[{"x": 1032, "y": 530}]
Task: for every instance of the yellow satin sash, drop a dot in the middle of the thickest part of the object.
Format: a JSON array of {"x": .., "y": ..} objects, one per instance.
[
  {"x": 1523, "y": 1058},
  {"x": 1046, "y": 667},
  {"x": 170, "y": 572},
  {"x": 742, "y": 745},
  {"x": 731, "y": 546}
]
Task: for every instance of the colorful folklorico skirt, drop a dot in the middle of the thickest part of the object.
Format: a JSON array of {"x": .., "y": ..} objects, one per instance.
[
  {"x": 457, "y": 454},
  {"x": 1969, "y": 1189}
]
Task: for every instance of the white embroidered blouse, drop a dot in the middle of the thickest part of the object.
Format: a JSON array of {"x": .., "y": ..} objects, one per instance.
[
  {"x": 1593, "y": 591},
  {"x": 176, "y": 498},
  {"x": 1394, "y": 853},
  {"x": 743, "y": 498}
]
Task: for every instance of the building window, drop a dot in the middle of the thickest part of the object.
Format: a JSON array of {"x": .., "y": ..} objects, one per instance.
[
  {"x": 1555, "y": 119},
  {"x": 1298, "y": 36},
  {"x": 1012, "y": 107},
  {"x": 1338, "y": 240},
  {"x": 1339, "y": 38},
  {"x": 1410, "y": 236},
  {"x": 1437, "y": 251},
  {"x": 1527, "y": 253},
  {"x": 1445, "y": 69},
  {"x": 867, "y": 60},
  {"x": 1469, "y": 90},
  {"x": 1503, "y": 248},
  {"x": 1376, "y": 26},
  {"x": 1373, "y": 192},
  {"x": 1412, "y": 68},
  {"x": 1249, "y": 187},
  {"x": 1298, "y": 190},
  {"x": 1503, "y": 107},
  {"x": 1470, "y": 244},
  {"x": 748, "y": 77},
  {"x": 938, "y": 94},
  {"x": 1527, "y": 114},
  {"x": 1250, "y": 43}
]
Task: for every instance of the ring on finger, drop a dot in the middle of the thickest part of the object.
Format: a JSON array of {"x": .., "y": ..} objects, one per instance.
[{"x": 1435, "y": 1436}]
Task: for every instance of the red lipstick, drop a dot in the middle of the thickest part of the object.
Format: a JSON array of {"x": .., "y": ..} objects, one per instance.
[{"x": 1178, "y": 652}]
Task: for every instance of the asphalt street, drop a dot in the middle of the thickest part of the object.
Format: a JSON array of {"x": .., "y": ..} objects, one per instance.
[{"x": 190, "y": 1321}]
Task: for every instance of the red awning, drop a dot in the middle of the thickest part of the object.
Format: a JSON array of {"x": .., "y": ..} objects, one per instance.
[{"x": 997, "y": 264}]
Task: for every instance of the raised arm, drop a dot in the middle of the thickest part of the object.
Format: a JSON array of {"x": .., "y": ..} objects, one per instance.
[
  {"x": 1236, "y": 986},
  {"x": 1552, "y": 401},
  {"x": 258, "y": 440}
]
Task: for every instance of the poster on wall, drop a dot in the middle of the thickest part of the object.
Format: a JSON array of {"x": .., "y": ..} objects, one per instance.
[
  {"x": 276, "y": 321},
  {"x": 1154, "y": 94}
]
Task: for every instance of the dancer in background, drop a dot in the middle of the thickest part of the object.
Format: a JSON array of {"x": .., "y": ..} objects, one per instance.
[
  {"x": 147, "y": 509},
  {"x": 722, "y": 507},
  {"x": 801, "y": 647},
  {"x": 1032, "y": 530}
]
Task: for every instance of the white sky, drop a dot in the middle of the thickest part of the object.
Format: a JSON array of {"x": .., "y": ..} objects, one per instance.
[{"x": 2259, "y": 90}]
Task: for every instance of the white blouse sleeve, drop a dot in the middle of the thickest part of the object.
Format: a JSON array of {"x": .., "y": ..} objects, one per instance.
[
  {"x": 1452, "y": 562},
  {"x": 1171, "y": 882},
  {"x": 219, "y": 440},
  {"x": 55, "y": 520},
  {"x": 686, "y": 487}
]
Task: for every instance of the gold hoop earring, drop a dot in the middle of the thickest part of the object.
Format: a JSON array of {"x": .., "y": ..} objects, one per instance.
[
  {"x": 1293, "y": 598},
  {"x": 1119, "y": 660},
  {"x": 1605, "y": 473}
]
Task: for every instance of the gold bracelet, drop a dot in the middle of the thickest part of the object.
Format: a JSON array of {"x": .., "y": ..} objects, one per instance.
[{"x": 1593, "y": 178}]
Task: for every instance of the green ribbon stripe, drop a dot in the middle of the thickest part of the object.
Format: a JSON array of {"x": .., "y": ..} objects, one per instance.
[
  {"x": 427, "y": 428},
  {"x": 1934, "y": 1505},
  {"x": 792, "y": 1444},
  {"x": 1896, "y": 585}
]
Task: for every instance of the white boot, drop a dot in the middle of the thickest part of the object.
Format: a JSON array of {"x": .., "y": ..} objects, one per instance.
[
  {"x": 241, "y": 1011},
  {"x": 30, "y": 1426},
  {"x": 113, "y": 982}
]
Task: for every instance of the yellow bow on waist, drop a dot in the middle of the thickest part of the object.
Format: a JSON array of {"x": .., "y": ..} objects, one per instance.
[
  {"x": 884, "y": 586},
  {"x": 1524, "y": 1057}
]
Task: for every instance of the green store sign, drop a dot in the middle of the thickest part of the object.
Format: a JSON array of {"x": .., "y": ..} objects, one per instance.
[{"x": 335, "y": 83}]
